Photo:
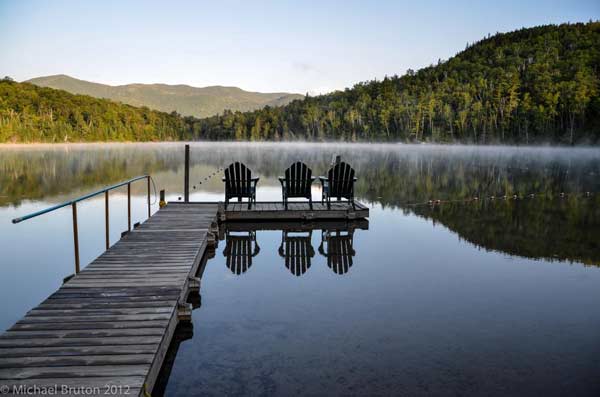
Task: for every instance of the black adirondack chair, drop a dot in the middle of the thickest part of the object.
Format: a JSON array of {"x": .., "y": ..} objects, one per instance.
[
  {"x": 337, "y": 247},
  {"x": 296, "y": 183},
  {"x": 239, "y": 183},
  {"x": 339, "y": 183},
  {"x": 239, "y": 250},
  {"x": 297, "y": 251}
]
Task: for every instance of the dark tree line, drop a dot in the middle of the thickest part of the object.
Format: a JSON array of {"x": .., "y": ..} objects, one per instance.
[
  {"x": 531, "y": 85},
  {"x": 34, "y": 114}
]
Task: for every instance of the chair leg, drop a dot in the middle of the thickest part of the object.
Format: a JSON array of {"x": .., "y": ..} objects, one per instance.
[
  {"x": 226, "y": 201},
  {"x": 310, "y": 203}
]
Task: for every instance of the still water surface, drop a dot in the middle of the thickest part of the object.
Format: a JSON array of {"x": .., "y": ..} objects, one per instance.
[{"x": 465, "y": 297}]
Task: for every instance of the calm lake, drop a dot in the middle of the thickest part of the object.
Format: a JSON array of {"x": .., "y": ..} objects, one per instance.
[{"x": 466, "y": 296}]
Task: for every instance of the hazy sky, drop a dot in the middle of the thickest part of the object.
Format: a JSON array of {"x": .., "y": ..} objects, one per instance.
[{"x": 260, "y": 46}]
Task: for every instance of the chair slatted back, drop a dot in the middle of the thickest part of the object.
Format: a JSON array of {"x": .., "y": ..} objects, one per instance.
[
  {"x": 238, "y": 179},
  {"x": 298, "y": 180},
  {"x": 298, "y": 251},
  {"x": 341, "y": 180},
  {"x": 239, "y": 253},
  {"x": 340, "y": 252}
]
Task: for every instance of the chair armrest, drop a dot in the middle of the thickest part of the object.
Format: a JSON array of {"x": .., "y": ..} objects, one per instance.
[{"x": 281, "y": 180}]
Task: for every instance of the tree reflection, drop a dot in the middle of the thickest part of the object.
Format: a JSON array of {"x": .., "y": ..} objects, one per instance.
[{"x": 393, "y": 176}]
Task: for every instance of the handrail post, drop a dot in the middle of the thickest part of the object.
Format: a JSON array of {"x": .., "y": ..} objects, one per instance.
[
  {"x": 148, "y": 196},
  {"x": 75, "y": 237},
  {"x": 106, "y": 219},
  {"x": 129, "y": 206},
  {"x": 162, "y": 202},
  {"x": 186, "y": 175}
]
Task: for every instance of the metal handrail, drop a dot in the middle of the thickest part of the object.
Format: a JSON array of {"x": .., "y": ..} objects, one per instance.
[
  {"x": 78, "y": 199},
  {"x": 73, "y": 204}
]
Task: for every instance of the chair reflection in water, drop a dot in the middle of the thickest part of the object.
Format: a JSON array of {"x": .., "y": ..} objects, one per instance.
[
  {"x": 337, "y": 247},
  {"x": 239, "y": 250},
  {"x": 297, "y": 251}
]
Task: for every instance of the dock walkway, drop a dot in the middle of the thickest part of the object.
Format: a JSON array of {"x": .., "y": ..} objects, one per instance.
[{"x": 108, "y": 328}]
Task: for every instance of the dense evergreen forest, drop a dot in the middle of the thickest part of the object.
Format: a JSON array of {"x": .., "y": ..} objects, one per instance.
[
  {"x": 34, "y": 114},
  {"x": 532, "y": 85}
]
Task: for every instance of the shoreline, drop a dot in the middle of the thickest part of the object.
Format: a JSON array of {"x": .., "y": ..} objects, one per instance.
[{"x": 370, "y": 145}]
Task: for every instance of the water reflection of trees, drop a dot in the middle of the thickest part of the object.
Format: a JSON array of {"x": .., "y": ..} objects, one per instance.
[
  {"x": 391, "y": 175},
  {"x": 549, "y": 228}
]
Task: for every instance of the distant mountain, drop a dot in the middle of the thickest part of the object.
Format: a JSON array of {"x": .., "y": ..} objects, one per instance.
[{"x": 184, "y": 99}]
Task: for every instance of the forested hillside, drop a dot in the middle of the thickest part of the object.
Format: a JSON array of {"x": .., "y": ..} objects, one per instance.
[
  {"x": 529, "y": 86},
  {"x": 34, "y": 114},
  {"x": 532, "y": 85}
]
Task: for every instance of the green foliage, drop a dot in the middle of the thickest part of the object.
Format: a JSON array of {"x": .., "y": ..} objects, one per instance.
[
  {"x": 33, "y": 114},
  {"x": 531, "y": 85}
]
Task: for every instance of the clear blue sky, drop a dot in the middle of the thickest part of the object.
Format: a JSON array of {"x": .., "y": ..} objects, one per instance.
[{"x": 261, "y": 46}]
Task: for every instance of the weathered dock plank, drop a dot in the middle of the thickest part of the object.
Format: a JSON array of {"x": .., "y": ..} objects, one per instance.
[{"x": 111, "y": 324}]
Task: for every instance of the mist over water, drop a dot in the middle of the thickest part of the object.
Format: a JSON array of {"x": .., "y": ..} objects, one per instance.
[{"x": 466, "y": 296}]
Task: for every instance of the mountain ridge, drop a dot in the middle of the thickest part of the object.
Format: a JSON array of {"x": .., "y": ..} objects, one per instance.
[{"x": 184, "y": 99}]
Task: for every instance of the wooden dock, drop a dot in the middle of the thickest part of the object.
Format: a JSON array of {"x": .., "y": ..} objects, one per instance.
[
  {"x": 274, "y": 210},
  {"x": 107, "y": 330},
  {"x": 296, "y": 226}
]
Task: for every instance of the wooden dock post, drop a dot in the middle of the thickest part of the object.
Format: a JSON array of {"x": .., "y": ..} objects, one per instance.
[
  {"x": 129, "y": 207},
  {"x": 149, "y": 205},
  {"x": 186, "y": 175},
  {"x": 162, "y": 202},
  {"x": 106, "y": 220},
  {"x": 75, "y": 237}
]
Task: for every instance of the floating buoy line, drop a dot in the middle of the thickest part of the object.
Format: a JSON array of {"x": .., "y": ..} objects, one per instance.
[
  {"x": 206, "y": 178},
  {"x": 505, "y": 197}
]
